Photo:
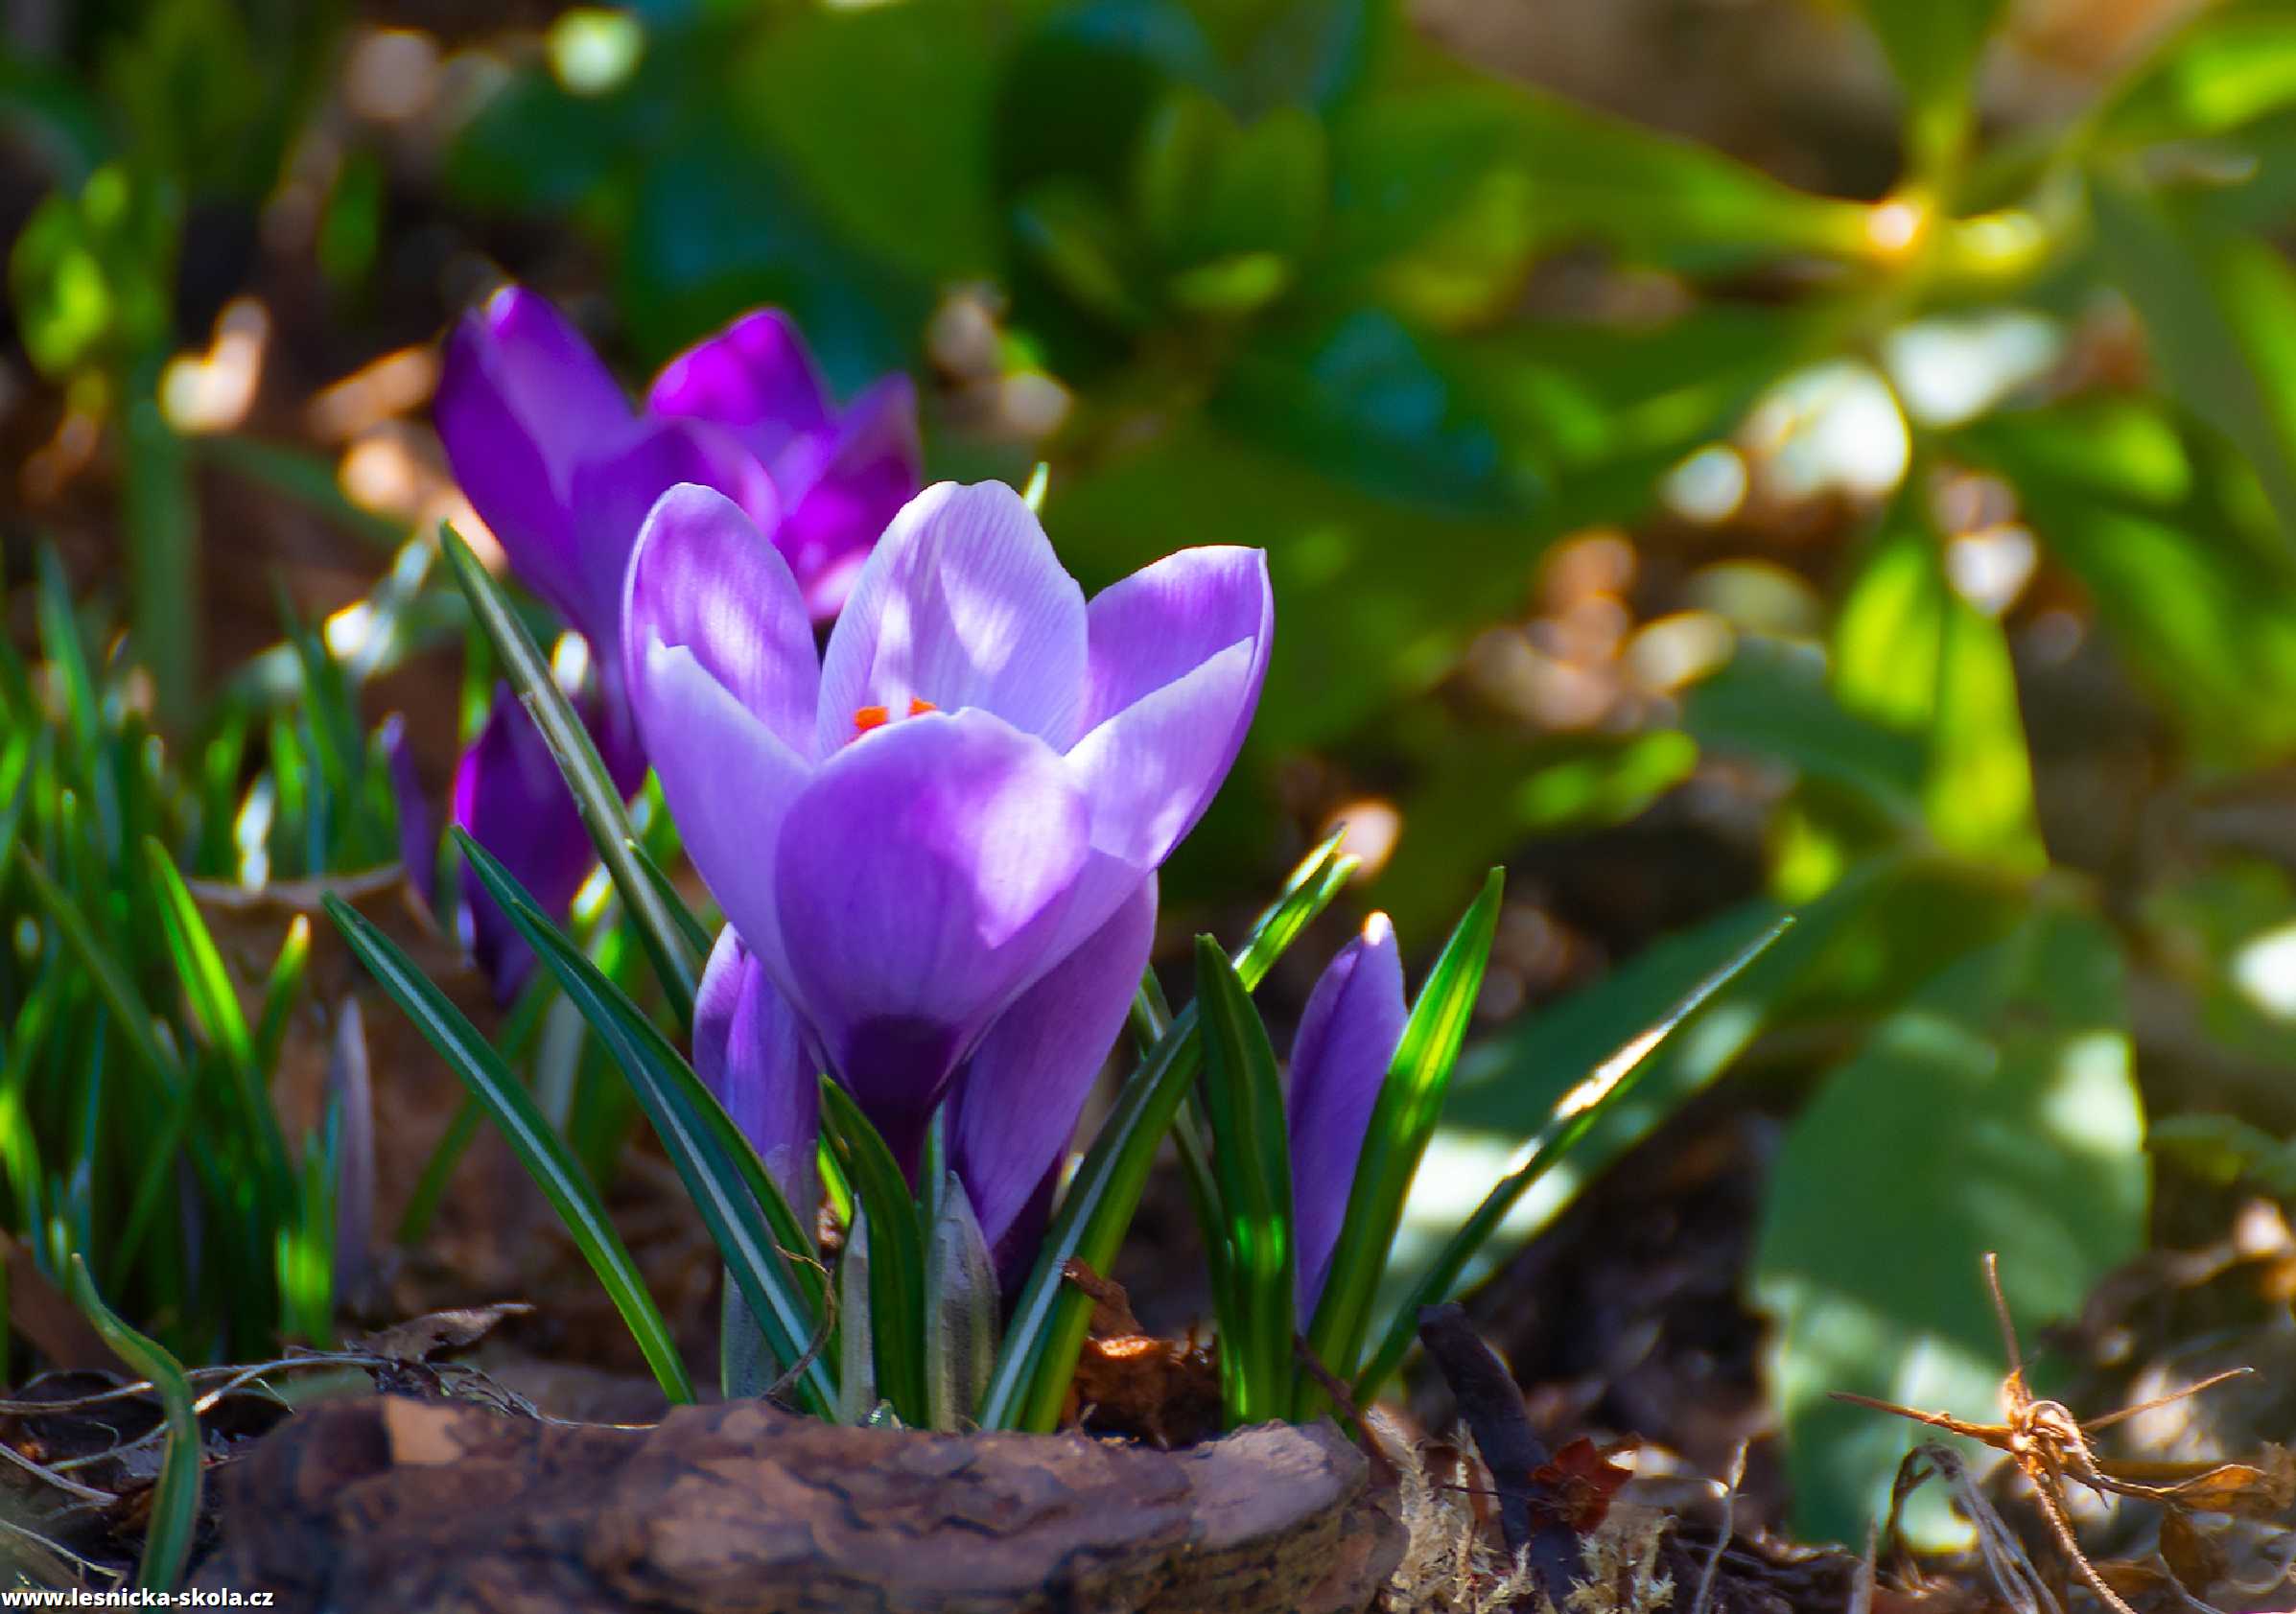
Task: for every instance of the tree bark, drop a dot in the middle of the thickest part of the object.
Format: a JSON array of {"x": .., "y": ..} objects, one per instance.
[{"x": 391, "y": 1504}]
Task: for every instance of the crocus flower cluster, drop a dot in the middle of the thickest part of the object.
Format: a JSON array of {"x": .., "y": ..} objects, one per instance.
[
  {"x": 936, "y": 841},
  {"x": 1347, "y": 1040},
  {"x": 563, "y": 470}
]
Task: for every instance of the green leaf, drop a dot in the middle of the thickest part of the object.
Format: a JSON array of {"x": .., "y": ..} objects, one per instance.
[
  {"x": 215, "y": 1008},
  {"x": 282, "y": 990},
  {"x": 753, "y": 1226},
  {"x": 1574, "y": 1115},
  {"x": 1911, "y": 654},
  {"x": 1934, "y": 47},
  {"x": 1411, "y": 1101},
  {"x": 112, "y": 983},
  {"x": 960, "y": 1310},
  {"x": 2203, "y": 610},
  {"x": 175, "y": 1504},
  {"x": 2231, "y": 65},
  {"x": 1772, "y": 701},
  {"x": 1853, "y": 952},
  {"x": 542, "y": 1152},
  {"x": 1243, "y": 1098},
  {"x": 2007, "y": 1072},
  {"x": 603, "y": 814},
  {"x": 697, "y": 937},
  {"x": 1046, "y": 1325},
  {"x": 897, "y": 1274},
  {"x": 2221, "y": 308},
  {"x": 1430, "y": 177},
  {"x": 860, "y": 101}
]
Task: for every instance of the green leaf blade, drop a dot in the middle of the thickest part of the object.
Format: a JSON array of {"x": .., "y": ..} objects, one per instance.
[{"x": 542, "y": 1152}]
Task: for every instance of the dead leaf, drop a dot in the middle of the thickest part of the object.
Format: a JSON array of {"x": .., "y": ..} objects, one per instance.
[
  {"x": 2192, "y": 1555},
  {"x": 421, "y": 1338},
  {"x": 1580, "y": 1483},
  {"x": 1131, "y": 1382}
]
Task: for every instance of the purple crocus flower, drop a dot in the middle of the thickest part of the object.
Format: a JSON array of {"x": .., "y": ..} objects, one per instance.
[
  {"x": 1347, "y": 1038},
  {"x": 563, "y": 470},
  {"x": 509, "y": 794},
  {"x": 750, "y": 1049},
  {"x": 953, "y": 815}
]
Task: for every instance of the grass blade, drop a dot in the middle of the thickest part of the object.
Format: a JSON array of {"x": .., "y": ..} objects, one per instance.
[
  {"x": 215, "y": 1009},
  {"x": 539, "y": 1150},
  {"x": 1251, "y": 1163},
  {"x": 176, "y": 1497},
  {"x": 1411, "y": 1101},
  {"x": 282, "y": 990},
  {"x": 697, "y": 937},
  {"x": 1573, "y": 1117},
  {"x": 748, "y": 1220},
  {"x": 601, "y": 805},
  {"x": 1047, "y": 1327},
  {"x": 896, "y": 1260}
]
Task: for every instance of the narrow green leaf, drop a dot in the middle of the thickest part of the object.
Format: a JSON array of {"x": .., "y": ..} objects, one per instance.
[
  {"x": 897, "y": 1274},
  {"x": 539, "y": 1150},
  {"x": 215, "y": 1008},
  {"x": 751, "y": 1223},
  {"x": 1572, "y": 1118},
  {"x": 176, "y": 1497},
  {"x": 112, "y": 982},
  {"x": 1251, "y": 1163},
  {"x": 1410, "y": 1103},
  {"x": 1047, "y": 1327},
  {"x": 602, "y": 805},
  {"x": 689, "y": 927},
  {"x": 282, "y": 990},
  {"x": 960, "y": 1310}
]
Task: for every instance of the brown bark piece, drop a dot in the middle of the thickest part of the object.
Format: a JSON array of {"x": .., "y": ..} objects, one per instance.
[{"x": 390, "y": 1504}]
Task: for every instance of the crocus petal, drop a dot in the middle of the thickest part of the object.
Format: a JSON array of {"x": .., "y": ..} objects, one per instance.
[
  {"x": 1154, "y": 635},
  {"x": 1015, "y": 1108},
  {"x": 704, "y": 578},
  {"x": 510, "y": 796},
  {"x": 1347, "y": 1037},
  {"x": 755, "y": 378},
  {"x": 1151, "y": 769},
  {"x": 843, "y": 490},
  {"x": 615, "y": 489},
  {"x": 728, "y": 779},
  {"x": 520, "y": 401},
  {"x": 960, "y": 604},
  {"x": 418, "y": 821},
  {"x": 919, "y": 879},
  {"x": 750, "y": 1049}
]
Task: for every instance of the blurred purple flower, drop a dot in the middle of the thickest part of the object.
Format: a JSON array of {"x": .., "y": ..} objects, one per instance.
[
  {"x": 563, "y": 470},
  {"x": 952, "y": 818},
  {"x": 1347, "y": 1038},
  {"x": 509, "y": 794}
]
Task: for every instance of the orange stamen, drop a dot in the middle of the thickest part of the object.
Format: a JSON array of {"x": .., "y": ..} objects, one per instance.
[{"x": 867, "y": 717}]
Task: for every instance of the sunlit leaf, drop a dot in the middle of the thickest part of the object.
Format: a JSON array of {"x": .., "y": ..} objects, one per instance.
[{"x": 2011, "y": 1069}]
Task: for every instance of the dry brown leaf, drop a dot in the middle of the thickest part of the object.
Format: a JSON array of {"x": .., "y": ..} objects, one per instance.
[
  {"x": 419, "y": 1339},
  {"x": 1131, "y": 1382},
  {"x": 2192, "y": 1555}
]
